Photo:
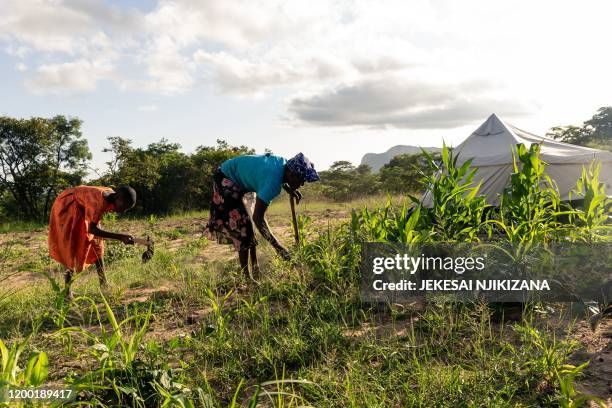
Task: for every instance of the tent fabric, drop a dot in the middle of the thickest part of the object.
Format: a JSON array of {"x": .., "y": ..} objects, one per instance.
[{"x": 490, "y": 148}]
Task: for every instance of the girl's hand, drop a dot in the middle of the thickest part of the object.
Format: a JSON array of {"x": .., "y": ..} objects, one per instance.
[{"x": 127, "y": 239}]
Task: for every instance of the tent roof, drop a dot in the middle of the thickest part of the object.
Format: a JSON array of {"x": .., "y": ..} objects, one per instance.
[{"x": 492, "y": 143}]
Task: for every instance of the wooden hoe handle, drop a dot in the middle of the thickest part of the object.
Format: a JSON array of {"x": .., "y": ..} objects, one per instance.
[{"x": 296, "y": 232}]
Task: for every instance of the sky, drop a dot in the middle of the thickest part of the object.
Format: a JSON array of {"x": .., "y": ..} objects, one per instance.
[{"x": 334, "y": 79}]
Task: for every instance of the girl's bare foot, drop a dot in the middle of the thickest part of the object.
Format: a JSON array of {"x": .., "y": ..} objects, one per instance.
[{"x": 69, "y": 295}]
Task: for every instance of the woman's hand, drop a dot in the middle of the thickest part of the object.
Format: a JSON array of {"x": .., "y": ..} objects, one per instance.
[
  {"x": 293, "y": 193},
  {"x": 260, "y": 222},
  {"x": 283, "y": 253},
  {"x": 127, "y": 239},
  {"x": 297, "y": 195}
]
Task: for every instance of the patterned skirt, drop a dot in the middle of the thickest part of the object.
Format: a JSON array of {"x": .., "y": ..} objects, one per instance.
[{"x": 229, "y": 221}]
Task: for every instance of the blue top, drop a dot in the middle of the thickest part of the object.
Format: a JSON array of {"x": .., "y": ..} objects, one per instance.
[{"x": 262, "y": 174}]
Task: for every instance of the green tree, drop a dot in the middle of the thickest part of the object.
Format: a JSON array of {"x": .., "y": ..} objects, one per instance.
[
  {"x": 166, "y": 179},
  {"x": 136, "y": 167},
  {"x": 403, "y": 172},
  {"x": 600, "y": 127},
  {"x": 39, "y": 157},
  {"x": 595, "y": 132},
  {"x": 344, "y": 181}
]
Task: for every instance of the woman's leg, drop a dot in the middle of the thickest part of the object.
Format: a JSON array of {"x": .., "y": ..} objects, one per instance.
[
  {"x": 254, "y": 263},
  {"x": 229, "y": 218},
  {"x": 243, "y": 256}
]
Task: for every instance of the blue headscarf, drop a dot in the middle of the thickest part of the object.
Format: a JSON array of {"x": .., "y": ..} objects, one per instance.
[{"x": 300, "y": 165}]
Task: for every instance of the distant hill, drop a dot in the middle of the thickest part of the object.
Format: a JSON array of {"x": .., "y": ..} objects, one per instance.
[{"x": 377, "y": 160}]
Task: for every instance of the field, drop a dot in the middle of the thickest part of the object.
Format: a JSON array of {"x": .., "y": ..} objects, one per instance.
[{"x": 188, "y": 328}]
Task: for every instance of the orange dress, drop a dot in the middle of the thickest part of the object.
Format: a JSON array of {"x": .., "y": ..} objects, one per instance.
[{"x": 74, "y": 209}]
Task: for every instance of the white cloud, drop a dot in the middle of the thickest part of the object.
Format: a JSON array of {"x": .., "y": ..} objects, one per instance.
[
  {"x": 61, "y": 26},
  {"x": 167, "y": 70},
  {"x": 250, "y": 76},
  {"x": 67, "y": 77},
  {"x": 72, "y": 43},
  {"x": 239, "y": 24},
  {"x": 21, "y": 67}
]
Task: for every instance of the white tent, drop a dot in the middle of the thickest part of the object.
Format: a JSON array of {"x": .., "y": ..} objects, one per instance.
[{"x": 490, "y": 147}]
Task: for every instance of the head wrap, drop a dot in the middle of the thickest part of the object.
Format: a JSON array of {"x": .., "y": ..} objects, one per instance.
[{"x": 303, "y": 167}]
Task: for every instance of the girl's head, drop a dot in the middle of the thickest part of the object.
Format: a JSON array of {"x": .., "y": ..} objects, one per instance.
[{"x": 124, "y": 198}]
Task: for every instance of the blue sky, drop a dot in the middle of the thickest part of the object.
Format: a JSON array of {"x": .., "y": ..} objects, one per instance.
[{"x": 332, "y": 79}]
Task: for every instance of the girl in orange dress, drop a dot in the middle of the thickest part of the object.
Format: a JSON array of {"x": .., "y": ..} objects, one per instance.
[{"x": 75, "y": 239}]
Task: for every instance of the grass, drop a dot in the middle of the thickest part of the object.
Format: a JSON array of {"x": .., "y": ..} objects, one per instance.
[
  {"x": 21, "y": 226},
  {"x": 318, "y": 346},
  {"x": 306, "y": 206},
  {"x": 187, "y": 329}
]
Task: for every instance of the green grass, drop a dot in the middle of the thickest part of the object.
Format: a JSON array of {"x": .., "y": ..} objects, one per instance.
[
  {"x": 317, "y": 342},
  {"x": 21, "y": 226},
  {"x": 187, "y": 330},
  {"x": 280, "y": 206}
]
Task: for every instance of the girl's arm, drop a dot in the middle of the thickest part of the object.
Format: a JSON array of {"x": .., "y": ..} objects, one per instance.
[{"x": 126, "y": 239}]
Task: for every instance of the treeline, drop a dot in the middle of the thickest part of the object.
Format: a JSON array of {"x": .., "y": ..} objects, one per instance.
[
  {"x": 344, "y": 181},
  {"x": 166, "y": 179},
  {"x": 170, "y": 181},
  {"x": 39, "y": 157}
]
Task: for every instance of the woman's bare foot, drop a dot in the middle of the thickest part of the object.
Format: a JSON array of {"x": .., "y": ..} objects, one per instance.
[{"x": 256, "y": 273}]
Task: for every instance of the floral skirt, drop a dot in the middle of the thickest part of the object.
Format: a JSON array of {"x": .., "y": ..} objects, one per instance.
[{"x": 229, "y": 221}]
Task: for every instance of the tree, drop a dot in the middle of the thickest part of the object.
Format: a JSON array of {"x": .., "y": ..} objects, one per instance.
[
  {"x": 166, "y": 179},
  {"x": 569, "y": 134},
  {"x": 403, "y": 172},
  {"x": 143, "y": 169},
  {"x": 38, "y": 158},
  {"x": 595, "y": 132},
  {"x": 344, "y": 181},
  {"x": 600, "y": 126}
]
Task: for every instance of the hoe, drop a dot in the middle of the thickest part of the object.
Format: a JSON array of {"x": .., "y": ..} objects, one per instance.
[{"x": 296, "y": 231}]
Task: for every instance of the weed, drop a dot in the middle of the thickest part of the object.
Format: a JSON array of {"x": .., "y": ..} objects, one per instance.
[
  {"x": 567, "y": 396},
  {"x": 221, "y": 314}
]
